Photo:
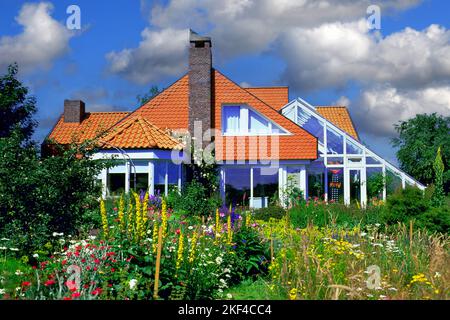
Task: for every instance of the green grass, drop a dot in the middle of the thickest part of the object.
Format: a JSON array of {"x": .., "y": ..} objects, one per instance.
[
  {"x": 8, "y": 278},
  {"x": 254, "y": 290}
]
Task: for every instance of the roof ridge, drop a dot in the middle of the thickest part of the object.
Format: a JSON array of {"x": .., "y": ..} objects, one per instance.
[
  {"x": 147, "y": 134},
  {"x": 161, "y": 131},
  {"x": 265, "y": 87}
]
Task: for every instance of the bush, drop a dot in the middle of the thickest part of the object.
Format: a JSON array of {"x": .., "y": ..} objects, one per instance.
[
  {"x": 194, "y": 200},
  {"x": 435, "y": 220},
  {"x": 265, "y": 214},
  {"x": 405, "y": 205}
]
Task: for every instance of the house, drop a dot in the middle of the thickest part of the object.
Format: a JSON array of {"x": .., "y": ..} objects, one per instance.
[{"x": 263, "y": 143}]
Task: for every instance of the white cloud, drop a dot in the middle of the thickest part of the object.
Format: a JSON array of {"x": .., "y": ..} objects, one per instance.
[
  {"x": 236, "y": 26},
  {"x": 342, "y": 101},
  {"x": 159, "y": 54},
  {"x": 333, "y": 54},
  {"x": 42, "y": 41},
  {"x": 379, "y": 108}
]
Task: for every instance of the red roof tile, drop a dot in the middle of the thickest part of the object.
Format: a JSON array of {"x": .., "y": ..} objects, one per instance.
[
  {"x": 93, "y": 124},
  {"x": 276, "y": 97},
  {"x": 340, "y": 117},
  {"x": 138, "y": 133}
]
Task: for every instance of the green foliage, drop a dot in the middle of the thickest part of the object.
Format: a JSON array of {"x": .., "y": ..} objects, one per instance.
[
  {"x": 418, "y": 141},
  {"x": 153, "y": 92},
  {"x": 376, "y": 183},
  {"x": 438, "y": 194},
  {"x": 16, "y": 107},
  {"x": 405, "y": 205},
  {"x": 194, "y": 200},
  {"x": 436, "y": 219},
  {"x": 265, "y": 214}
]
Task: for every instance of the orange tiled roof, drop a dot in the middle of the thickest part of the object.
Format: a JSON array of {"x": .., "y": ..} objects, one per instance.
[
  {"x": 298, "y": 145},
  {"x": 138, "y": 133},
  {"x": 276, "y": 97},
  {"x": 339, "y": 116},
  {"x": 93, "y": 124}
]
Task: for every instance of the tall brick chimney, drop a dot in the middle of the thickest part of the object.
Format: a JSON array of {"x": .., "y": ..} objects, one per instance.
[
  {"x": 200, "y": 67},
  {"x": 74, "y": 111}
]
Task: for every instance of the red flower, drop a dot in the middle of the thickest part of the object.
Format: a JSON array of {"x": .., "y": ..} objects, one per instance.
[
  {"x": 95, "y": 268},
  {"x": 110, "y": 285},
  {"x": 63, "y": 262},
  {"x": 67, "y": 298},
  {"x": 178, "y": 231},
  {"x": 112, "y": 269},
  {"x": 109, "y": 254},
  {"x": 115, "y": 209},
  {"x": 97, "y": 291},
  {"x": 96, "y": 261},
  {"x": 26, "y": 284},
  {"x": 83, "y": 260},
  {"x": 88, "y": 268},
  {"x": 77, "y": 253},
  {"x": 49, "y": 283},
  {"x": 76, "y": 295}
]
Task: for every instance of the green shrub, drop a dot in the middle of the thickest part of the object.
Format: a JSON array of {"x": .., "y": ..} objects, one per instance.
[
  {"x": 265, "y": 214},
  {"x": 194, "y": 200},
  {"x": 405, "y": 205},
  {"x": 435, "y": 220}
]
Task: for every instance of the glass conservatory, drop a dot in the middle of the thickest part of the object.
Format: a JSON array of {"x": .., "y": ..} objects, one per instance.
[{"x": 346, "y": 171}]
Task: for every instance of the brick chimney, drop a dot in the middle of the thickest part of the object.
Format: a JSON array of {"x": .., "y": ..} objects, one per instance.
[
  {"x": 73, "y": 111},
  {"x": 200, "y": 67}
]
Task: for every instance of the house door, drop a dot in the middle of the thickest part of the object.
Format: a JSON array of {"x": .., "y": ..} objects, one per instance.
[{"x": 353, "y": 186}]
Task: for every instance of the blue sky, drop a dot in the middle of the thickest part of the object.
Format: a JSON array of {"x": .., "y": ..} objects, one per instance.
[{"x": 324, "y": 54}]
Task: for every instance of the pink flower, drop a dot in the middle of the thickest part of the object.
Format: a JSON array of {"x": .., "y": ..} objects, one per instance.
[
  {"x": 76, "y": 295},
  {"x": 49, "y": 283}
]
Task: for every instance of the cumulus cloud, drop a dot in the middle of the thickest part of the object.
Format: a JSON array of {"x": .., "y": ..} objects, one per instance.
[
  {"x": 161, "y": 53},
  {"x": 42, "y": 41},
  {"x": 333, "y": 54},
  {"x": 377, "y": 108},
  {"x": 236, "y": 26}
]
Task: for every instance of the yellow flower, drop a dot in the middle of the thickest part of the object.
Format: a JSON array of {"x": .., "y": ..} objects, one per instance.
[
  {"x": 104, "y": 218},
  {"x": 193, "y": 246},
  {"x": 164, "y": 217},
  {"x": 229, "y": 230},
  {"x": 130, "y": 219},
  {"x": 180, "y": 251},
  {"x": 144, "y": 215},
  {"x": 293, "y": 294},
  {"x": 137, "y": 200},
  {"x": 217, "y": 229}
]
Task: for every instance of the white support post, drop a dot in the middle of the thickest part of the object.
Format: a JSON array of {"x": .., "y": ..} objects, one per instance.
[
  {"x": 127, "y": 176},
  {"x": 325, "y": 172},
  {"x": 104, "y": 176},
  {"x": 166, "y": 180},
  {"x": 384, "y": 182},
  {"x": 303, "y": 181},
  {"x": 281, "y": 184},
  {"x": 180, "y": 172},
  {"x": 222, "y": 184},
  {"x": 346, "y": 186},
  {"x": 151, "y": 178},
  {"x": 403, "y": 181},
  {"x": 363, "y": 174},
  {"x": 251, "y": 203}
]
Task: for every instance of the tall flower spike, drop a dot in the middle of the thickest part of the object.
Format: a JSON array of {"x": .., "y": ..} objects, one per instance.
[
  {"x": 137, "y": 200},
  {"x": 144, "y": 215},
  {"x": 104, "y": 218},
  {"x": 164, "y": 217},
  {"x": 180, "y": 251},
  {"x": 121, "y": 213}
]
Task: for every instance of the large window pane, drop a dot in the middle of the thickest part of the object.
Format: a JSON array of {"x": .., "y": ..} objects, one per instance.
[
  {"x": 160, "y": 173},
  {"x": 353, "y": 148},
  {"x": 375, "y": 183},
  {"x": 335, "y": 142},
  {"x": 237, "y": 188},
  {"x": 141, "y": 182},
  {"x": 257, "y": 124},
  {"x": 265, "y": 187},
  {"x": 316, "y": 184},
  {"x": 116, "y": 183},
  {"x": 310, "y": 124},
  {"x": 231, "y": 119},
  {"x": 355, "y": 186},
  {"x": 336, "y": 185},
  {"x": 393, "y": 182}
]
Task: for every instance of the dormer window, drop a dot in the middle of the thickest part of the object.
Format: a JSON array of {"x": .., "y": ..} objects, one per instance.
[{"x": 242, "y": 120}]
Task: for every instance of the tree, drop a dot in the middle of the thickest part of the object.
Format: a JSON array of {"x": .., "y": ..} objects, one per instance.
[
  {"x": 143, "y": 99},
  {"x": 16, "y": 107},
  {"x": 438, "y": 195},
  {"x": 418, "y": 141}
]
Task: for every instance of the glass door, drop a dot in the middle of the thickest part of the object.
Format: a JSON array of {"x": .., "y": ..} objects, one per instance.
[{"x": 355, "y": 186}]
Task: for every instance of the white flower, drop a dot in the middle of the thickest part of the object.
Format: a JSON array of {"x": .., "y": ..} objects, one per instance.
[
  {"x": 4, "y": 239},
  {"x": 382, "y": 296},
  {"x": 18, "y": 289},
  {"x": 377, "y": 225},
  {"x": 363, "y": 234},
  {"x": 219, "y": 260},
  {"x": 393, "y": 289},
  {"x": 2, "y": 291},
  {"x": 437, "y": 275},
  {"x": 229, "y": 296},
  {"x": 56, "y": 234},
  {"x": 13, "y": 249},
  {"x": 3, "y": 248},
  {"x": 190, "y": 227},
  {"x": 133, "y": 283},
  {"x": 18, "y": 273},
  {"x": 92, "y": 237}
]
